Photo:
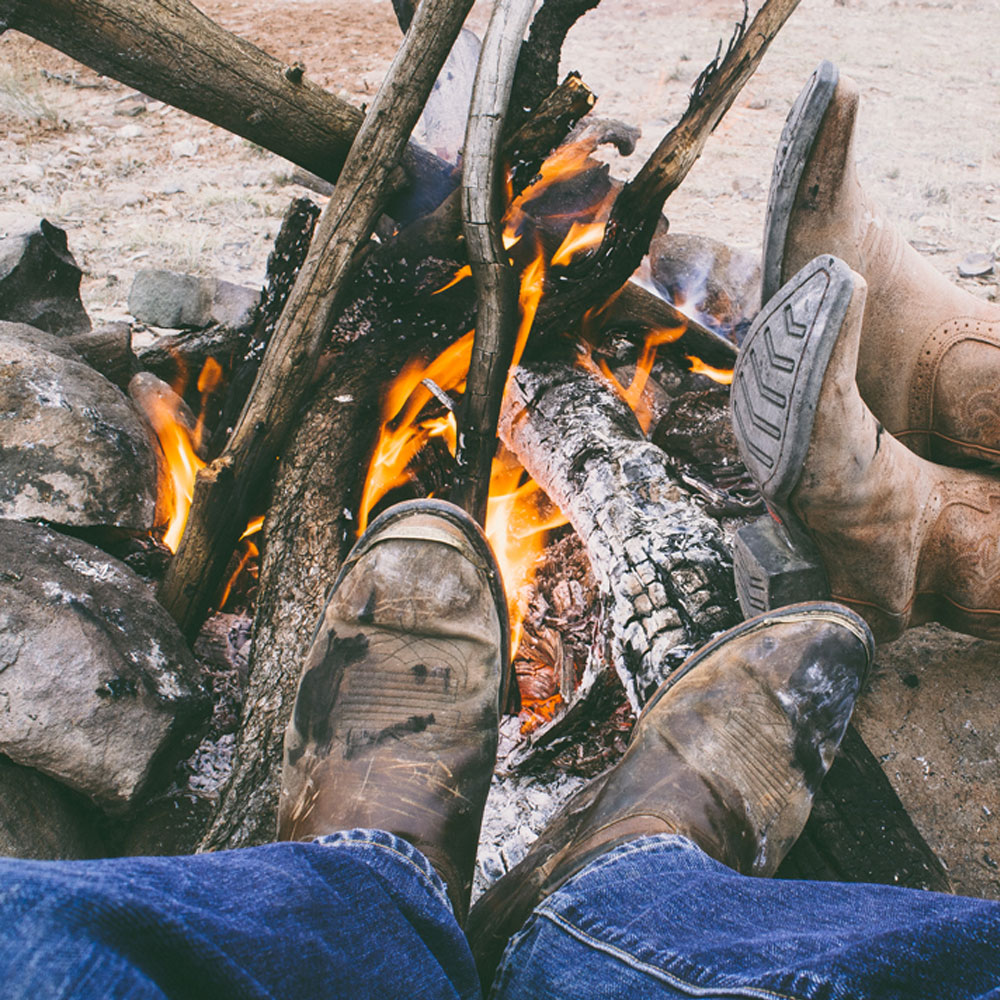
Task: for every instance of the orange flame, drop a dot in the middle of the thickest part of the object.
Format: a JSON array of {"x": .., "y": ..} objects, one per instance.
[
  {"x": 581, "y": 236},
  {"x": 724, "y": 376},
  {"x": 183, "y": 463}
]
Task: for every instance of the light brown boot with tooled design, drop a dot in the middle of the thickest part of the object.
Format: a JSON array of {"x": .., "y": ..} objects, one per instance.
[
  {"x": 897, "y": 538},
  {"x": 929, "y": 359}
]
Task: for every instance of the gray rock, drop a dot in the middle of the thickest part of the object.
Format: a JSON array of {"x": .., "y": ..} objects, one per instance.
[
  {"x": 41, "y": 819},
  {"x": 173, "y": 300},
  {"x": 97, "y": 687},
  {"x": 39, "y": 279},
  {"x": 73, "y": 449},
  {"x": 33, "y": 339},
  {"x": 976, "y": 265},
  {"x": 720, "y": 282}
]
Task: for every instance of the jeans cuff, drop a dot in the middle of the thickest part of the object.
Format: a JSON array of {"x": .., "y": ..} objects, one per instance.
[{"x": 386, "y": 852}]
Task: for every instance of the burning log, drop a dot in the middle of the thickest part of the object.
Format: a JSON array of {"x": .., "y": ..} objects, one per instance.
[
  {"x": 223, "y": 490},
  {"x": 496, "y": 289},
  {"x": 171, "y": 51},
  {"x": 661, "y": 563}
]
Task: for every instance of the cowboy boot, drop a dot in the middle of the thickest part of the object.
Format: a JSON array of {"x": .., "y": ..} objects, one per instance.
[
  {"x": 929, "y": 361},
  {"x": 728, "y": 753},
  {"x": 897, "y": 538},
  {"x": 395, "y": 720}
]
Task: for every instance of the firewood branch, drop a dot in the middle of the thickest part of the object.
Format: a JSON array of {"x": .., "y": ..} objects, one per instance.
[
  {"x": 496, "y": 290},
  {"x": 538, "y": 64},
  {"x": 171, "y": 51},
  {"x": 223, "y": 489},
  {"x": 638, "y": 207}
]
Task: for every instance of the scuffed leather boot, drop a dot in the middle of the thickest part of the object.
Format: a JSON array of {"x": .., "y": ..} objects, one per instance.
[
  {"x": 728, "y": 752},
  {"x": 395, "y": 720},
  {"x": 929, "y": 361},
  {"x": 901, "y": 540}
]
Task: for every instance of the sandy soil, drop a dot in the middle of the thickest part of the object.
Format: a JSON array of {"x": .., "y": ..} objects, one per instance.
[
  {"x": 158, "y": 188},
  {"x": 139, "y": 184}
]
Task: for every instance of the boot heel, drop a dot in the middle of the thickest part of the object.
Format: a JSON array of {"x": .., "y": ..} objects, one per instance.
[{"x": 773, "y": 571}]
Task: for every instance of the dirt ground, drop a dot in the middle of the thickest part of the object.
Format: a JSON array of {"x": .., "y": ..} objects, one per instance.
[{"x": 139, "y": 184}]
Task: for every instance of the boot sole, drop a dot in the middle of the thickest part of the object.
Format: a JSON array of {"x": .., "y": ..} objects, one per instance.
[
  {"x": 776, "y": 385},
  {"x": 796, "y": 142},
  {"x": 810, "y": 610},
  {"x": 510, "y": 697}
]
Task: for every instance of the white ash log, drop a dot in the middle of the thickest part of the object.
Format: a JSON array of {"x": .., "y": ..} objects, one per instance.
[{"x": 660, "y": 562}]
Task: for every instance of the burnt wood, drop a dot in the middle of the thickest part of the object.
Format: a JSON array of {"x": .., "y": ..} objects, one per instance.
[
  {"x": 660, "y": 562},
  {"x": 858, "y": 830},
  {"x": 637, "y": 209}
]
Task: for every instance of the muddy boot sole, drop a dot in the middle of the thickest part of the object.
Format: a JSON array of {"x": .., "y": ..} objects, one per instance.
[
  {"x": 776, "y": 386},
  {"x": 796, "y": 143}
]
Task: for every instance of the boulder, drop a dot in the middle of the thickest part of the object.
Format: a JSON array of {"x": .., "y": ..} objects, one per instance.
[
  {"x": 41, "y": 819},
  {"x": 73, "y": 449},
  {"x": 97, "y": 687},
  {"x": 173, "y": 300},
  {"x": 39, "y": 279}
]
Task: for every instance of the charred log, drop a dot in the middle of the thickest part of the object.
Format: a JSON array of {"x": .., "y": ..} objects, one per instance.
[
  {"x": 636, "y": 212},
  {"x": 538, "y": 65},
  {"x": 661, "y": 563}
]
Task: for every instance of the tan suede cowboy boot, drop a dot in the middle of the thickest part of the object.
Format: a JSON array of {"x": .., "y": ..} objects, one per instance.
[
  {"x": 929, "y": 361},
  {"x": 395, "y": 720},
  {"x": 901, "y": 540},
  {"x": 728, "y": 752}
]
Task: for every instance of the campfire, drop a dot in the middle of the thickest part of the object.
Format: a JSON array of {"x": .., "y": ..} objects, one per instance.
[
  {"x": 415, "y": 451},
  {"x": 505, "y": 344}
]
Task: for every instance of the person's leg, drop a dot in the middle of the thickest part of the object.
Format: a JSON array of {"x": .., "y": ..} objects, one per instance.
[
  {"x": 727, "y": 753},
  {"x": 658, "y": 918},
  {"x": 929, "y": 358},
  {"x": 393, "y": 735},
  {"x": 361, "y": 914},
  {"x": 899, "y": 539}
]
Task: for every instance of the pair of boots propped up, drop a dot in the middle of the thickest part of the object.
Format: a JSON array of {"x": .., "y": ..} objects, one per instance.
[
  {"x": 866, "y": 403},
  {"x": 396, "y": 719}
]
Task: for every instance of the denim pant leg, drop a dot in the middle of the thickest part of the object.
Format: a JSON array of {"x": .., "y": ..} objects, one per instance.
[
  {"x": 657, "y": 918},
  {"x": 359, "y": 914}
]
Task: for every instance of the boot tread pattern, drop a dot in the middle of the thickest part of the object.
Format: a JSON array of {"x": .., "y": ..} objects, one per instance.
[{"x": 794, "y": 146}]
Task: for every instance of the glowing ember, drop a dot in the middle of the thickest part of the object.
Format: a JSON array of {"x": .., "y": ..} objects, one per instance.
[{"x": 537, "y": 713}]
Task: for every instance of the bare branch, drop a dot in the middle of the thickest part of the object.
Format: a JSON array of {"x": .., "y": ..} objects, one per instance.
[
  {"x": 222, "y": 490},
  {"x": 638, "y": 207},
  {"x": 496, "y": 290}
]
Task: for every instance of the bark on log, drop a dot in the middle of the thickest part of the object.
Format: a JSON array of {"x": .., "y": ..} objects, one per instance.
[
  {"x": 661, "y": 563},
  {"x": 171, "y": 51},
  {"x": 310, "y": 522},
  {"x": 638, "y": 207},
  {"x": 224, "y": 490},
  {"x": 496, "y": 288}
]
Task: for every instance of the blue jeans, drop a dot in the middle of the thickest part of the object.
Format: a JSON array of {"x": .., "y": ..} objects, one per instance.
[{"x": 362, "y": 914}]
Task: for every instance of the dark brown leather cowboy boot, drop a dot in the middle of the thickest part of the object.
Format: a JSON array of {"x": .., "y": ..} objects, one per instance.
[
  {"x": 728, "y": 753},
  {"x": 395, "y": 721},
  {"x": 897, "y": 538},
  {"x": 929, "y": 359}
]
